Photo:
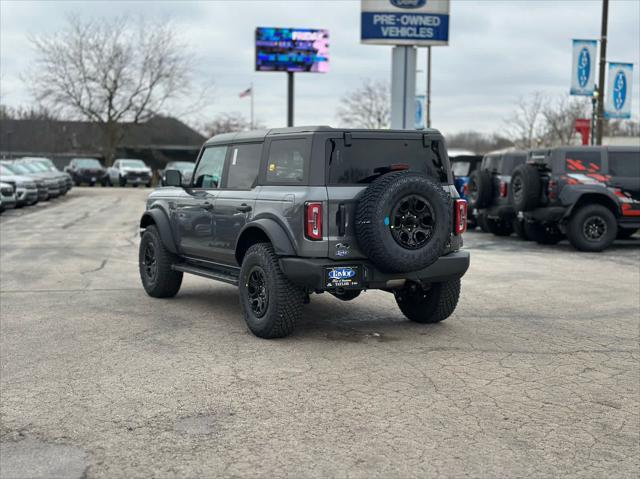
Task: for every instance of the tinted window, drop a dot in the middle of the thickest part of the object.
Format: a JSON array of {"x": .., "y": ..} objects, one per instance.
[
  {"x": 288, "y": 160},
  {"x": 511, "y": 162},
  {"x": 209, "y": 169},
  {"x": 624, "y": 163},
  {"x": 367, "y": 159},
  {"x": 460, "y": 168},
  {"x": 244, "y": 163},
  {"x": 583, "y": 161}
]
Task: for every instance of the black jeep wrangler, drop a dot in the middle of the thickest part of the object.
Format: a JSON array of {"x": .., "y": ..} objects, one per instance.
[
  {"x": 592, "y": 194},
  {"x": 288, "y": 212},
  {"x": 488, "y": 192}
]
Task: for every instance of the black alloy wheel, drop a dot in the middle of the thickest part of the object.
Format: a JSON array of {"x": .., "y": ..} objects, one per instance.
[
  {"x": 412, "y": 222},
  {"x": 150, "y": 262},
  {"x": 257, "y": 292},
  {"x": 594, "y": 228}
]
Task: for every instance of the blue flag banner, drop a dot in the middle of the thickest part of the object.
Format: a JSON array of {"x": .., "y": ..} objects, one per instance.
[
  {"x": 583, "y": 67},
  {"x": 617, "y": 103}
]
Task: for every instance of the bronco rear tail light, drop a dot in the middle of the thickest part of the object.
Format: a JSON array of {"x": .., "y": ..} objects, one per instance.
[
  {"x": 313, "y": 221},
  {"x": 461, "y": 217},
  {"x": 503, "y": 189}
]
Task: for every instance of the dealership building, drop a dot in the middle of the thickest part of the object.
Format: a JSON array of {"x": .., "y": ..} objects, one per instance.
[{"x": 157, "y": 141}]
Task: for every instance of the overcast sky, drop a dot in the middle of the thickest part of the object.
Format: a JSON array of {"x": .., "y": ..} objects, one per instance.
[{"x": 498, "y": 51}]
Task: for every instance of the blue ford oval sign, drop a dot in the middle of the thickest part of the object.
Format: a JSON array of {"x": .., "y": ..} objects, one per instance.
[
  {"x": 619, "y": 90},
  {"x": 584, "y": 67},
  {"x": 342, "y": 273},
  {"x": 408, "y": 3}
]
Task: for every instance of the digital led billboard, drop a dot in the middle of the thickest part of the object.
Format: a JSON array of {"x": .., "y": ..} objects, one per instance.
[{"x": 292, "y": 50}]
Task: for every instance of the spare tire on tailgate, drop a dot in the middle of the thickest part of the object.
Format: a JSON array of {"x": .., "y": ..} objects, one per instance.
[
  {"x": 524, "y": 191},
  {"x": 480, "y": 191},
  {"x": 403, "y": 221}
]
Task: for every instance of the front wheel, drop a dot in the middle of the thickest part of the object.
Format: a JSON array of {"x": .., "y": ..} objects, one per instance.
[
  {"x": 271, "y": 304},
  {"x": 123, "y": 181},
  {"x": 592, "y": 228},
  {"x": 428, "y": 304},
  {"x": 155, "y": 264}
]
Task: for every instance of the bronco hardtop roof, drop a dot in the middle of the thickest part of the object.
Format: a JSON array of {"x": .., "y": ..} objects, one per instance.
[{"x": 259, "y": 135}]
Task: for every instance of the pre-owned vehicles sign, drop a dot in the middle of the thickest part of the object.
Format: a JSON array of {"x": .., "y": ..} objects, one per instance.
[{"x": 405, "y": 22}]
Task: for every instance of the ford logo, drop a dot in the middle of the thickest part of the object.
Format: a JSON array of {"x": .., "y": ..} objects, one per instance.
[
  {"x": 408, "y": 3},
  {"x": 342, "y": 273},
  {"x": 619, "y": 90},
  {"x": 584, "y": 67}
]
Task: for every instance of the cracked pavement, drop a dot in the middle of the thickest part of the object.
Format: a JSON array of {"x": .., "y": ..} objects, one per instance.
[{"x": 536, "y": 374}]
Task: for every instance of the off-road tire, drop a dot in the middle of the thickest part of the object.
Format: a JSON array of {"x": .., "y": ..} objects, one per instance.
[
  {"x": 166, "y": 282},
  {"x": 284, "y": 305},
  {"x": 480, "y": 189},
  {"x": 543, "y": 234},
  {"x": 524, "y": 190},
  {"x": 373, "y": 229},
  {"x": 576, "y": 227},
  {"x": 626, "y": 233},
  {"x": 431, "y": 306},
  {"x": 347, "y": 294},
  {"x": 499, "y": 227}
]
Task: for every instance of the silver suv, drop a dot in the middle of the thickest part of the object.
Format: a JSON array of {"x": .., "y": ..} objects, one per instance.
[{"x": 288, "y": 212}]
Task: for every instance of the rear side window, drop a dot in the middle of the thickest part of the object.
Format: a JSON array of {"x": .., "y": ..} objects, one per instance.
[
  {"x": 460, "y": 168},
  {"x": 244, "y": 164},
  {"x": 367, "y": 159},
  {"x": 583, "y": 161},
  {"x": 288, "y": 161},
  {"x": 624, "y": 163},
  {"x": 511, "y": 162}
]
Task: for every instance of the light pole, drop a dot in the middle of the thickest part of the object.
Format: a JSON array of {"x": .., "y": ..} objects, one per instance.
[{"x": 603, "y": 65}]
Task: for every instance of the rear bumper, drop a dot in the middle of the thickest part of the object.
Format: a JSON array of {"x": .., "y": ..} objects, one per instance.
[{"x": 309, "y": 273}]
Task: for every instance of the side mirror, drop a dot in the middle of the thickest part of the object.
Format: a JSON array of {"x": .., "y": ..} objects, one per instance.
[{"x": 173, "y": 178}]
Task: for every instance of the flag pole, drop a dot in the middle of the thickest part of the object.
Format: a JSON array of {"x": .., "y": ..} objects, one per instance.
[{"x": 252, "y": 106}]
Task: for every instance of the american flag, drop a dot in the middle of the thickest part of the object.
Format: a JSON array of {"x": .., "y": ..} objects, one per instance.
[{"x": 247, "y": 92}]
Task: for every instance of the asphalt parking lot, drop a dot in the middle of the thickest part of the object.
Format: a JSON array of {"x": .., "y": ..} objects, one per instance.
[{"x": 535, "y": 375}]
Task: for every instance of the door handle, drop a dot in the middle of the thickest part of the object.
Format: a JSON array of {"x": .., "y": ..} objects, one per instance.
[
  {"x": 207, "y": 206},
  {"x": 244, "y": 208}
]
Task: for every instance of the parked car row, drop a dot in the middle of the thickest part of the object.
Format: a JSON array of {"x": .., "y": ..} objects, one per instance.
[
  {"x": 26, "y": 181},
  {"x": 123, "y": 172},
  {"x": 588, "y": 195}
]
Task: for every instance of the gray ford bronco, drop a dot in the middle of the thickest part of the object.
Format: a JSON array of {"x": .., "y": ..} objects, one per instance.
[{"x": 284, "y": 213}]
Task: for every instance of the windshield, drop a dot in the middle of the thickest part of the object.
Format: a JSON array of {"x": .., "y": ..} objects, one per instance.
[
  {"x": 34, "y": 167},
  {"x": 460, "y": 168},
  {"x": 5, "y": 170},
  {"x": 20, "y": 169},
  {"x": 88, "y": 163},
  {"x": 133, "y": 163},
  {"x": 181, "y": 165}
]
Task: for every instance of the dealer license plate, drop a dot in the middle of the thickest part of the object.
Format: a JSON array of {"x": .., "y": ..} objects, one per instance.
[{"x": 343, "y": 277}]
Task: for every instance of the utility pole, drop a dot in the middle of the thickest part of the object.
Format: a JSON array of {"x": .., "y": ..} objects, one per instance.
[
  {"x": 428, "y": 86},
  {"x": 290, "y": 97},
  {"x": 603, "y": 66}
]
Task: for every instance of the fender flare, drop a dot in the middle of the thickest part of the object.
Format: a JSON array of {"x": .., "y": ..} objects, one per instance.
[
  {"x": 282, "y": 244},
  {"x": 161, "y": 220},
  {"x": 571, "y": 196}
]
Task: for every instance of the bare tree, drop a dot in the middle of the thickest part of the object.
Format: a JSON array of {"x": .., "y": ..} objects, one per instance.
[
  {"x": 229, "y": 123},
  {"x": 477, "y": 142},
  {"x": 26, "y": 113},
  {"x": 524, "y": 125},
  {"x": 368, "y": 106},
  {"x": 560, "y": 119},
  {"x": 110, "y": 72}
]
